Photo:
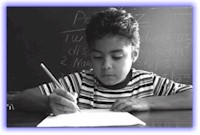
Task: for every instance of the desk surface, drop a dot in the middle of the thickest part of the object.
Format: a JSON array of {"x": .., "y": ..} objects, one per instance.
[{"x": 178, "y": 118}]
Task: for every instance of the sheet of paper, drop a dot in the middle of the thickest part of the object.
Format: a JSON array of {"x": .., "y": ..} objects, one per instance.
[{"x": 91, "y": 118}]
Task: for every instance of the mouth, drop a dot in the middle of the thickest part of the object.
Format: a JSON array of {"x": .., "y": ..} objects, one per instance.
[{"x": 107, "y": 75}]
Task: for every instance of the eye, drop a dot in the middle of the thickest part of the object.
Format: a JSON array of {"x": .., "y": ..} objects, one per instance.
[
  {"x": 117, "y": 56},
  {"x": 97, "y": 56}
]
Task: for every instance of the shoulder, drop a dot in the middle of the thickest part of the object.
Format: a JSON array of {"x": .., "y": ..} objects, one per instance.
[
  {"x": 81, "y": 73},
  {"x": 88, "y": 73},
  {"x": 142, "y": 77},
  {"x": 136, "y": 73}
]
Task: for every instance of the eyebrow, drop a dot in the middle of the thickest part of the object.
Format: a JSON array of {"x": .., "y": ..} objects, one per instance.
[
  {"x": 94, "y": 50},
  {"x": 117, "y": 51},
  {"x": 113, "y": 51}
]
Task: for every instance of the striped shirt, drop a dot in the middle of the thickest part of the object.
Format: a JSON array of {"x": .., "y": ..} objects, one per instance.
[{"x": 94, "y": 95}]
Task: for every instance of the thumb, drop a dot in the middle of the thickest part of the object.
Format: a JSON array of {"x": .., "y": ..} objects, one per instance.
[{"x": 75, "y": 95}]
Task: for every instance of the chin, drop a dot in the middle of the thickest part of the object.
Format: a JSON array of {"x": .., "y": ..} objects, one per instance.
[{"x": 109, "y": 82}]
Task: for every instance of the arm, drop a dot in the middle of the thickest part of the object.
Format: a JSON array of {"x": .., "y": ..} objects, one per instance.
[
  {"x": 181, "y": 100},
  {"x": 47, "y": 98},
  {"x": 58, "y": 102},
  {"x": 32, "y": 100}
]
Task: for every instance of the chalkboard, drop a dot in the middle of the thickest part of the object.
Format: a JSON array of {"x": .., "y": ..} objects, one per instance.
[{"x": 56, "y": 37}]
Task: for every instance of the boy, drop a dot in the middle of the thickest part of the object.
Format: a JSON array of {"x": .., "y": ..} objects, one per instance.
[{"x": 113, "y": 39}]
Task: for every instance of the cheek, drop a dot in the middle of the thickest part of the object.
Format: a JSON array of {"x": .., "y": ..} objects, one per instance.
[
  {"x": 125, "y": 65},
  {"x": 95, "y": 63},
  {"x": 96, "y": 67}
]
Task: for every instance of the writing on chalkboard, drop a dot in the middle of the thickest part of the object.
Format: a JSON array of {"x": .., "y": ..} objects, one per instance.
[
  {"x": 80, "y": 15},
  {"x": 76, "y": 38},
  {"x": 176, "y": 37},
  {"x": 76, "y": 51}
]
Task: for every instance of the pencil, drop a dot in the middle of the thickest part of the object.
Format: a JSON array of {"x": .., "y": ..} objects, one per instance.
[
  {"x": 51, "y": 76},
  {"x": 54, "y": 79}
]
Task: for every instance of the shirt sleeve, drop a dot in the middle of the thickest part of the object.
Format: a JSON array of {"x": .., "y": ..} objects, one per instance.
[
  {"x": 71, "y": 83},
  {"x": 165, "y": 87}
]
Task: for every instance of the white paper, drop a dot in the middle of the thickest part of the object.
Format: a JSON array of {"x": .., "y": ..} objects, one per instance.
[{"x": 91, "y": 118}]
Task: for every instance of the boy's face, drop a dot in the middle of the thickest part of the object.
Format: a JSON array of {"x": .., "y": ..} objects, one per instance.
[{"x": 112, "y": 59}]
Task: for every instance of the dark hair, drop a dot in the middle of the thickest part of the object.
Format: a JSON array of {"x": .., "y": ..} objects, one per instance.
[{"x": 115, "y": 22}]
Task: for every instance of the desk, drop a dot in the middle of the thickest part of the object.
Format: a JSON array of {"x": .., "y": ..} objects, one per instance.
[
  {"x": 177, "y": 118},
  {"x": 24, "y": 119}
]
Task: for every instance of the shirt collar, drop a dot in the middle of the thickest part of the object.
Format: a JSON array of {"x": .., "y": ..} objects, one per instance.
[{"x": 119, "y": 85}]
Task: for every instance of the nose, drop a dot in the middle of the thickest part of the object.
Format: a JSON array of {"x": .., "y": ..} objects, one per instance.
[{"x": 107, "y": 64}]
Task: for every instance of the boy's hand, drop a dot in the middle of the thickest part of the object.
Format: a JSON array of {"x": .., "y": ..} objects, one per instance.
[
  {"x": 131, "y": 104},
  {"x": 61, "y": 101}
]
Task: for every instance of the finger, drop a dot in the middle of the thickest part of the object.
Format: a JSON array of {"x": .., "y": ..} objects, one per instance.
[
  {"x": 72, "y": 101},
  {"x": 128, "y": 108},
  {"x": 75, "y": 94},
  {"x": 64, "y": 102},
  {"x": 120, "y": 107},
  {"x": 58, "y": 109},
  {"x": 116, "y": 104},
  {"x": 65, "y": 94},
  {"x": 121, "y": 104}
]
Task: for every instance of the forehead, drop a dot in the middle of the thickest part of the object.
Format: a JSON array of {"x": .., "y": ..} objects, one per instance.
[{"x": 111, "y": 43}]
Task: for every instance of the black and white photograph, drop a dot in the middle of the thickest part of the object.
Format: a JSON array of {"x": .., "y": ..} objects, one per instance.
[{"x": 111, "y": 66}]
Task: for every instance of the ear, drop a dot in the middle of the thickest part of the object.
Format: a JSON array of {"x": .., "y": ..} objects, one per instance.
[{"x": 135, "y": 54}]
